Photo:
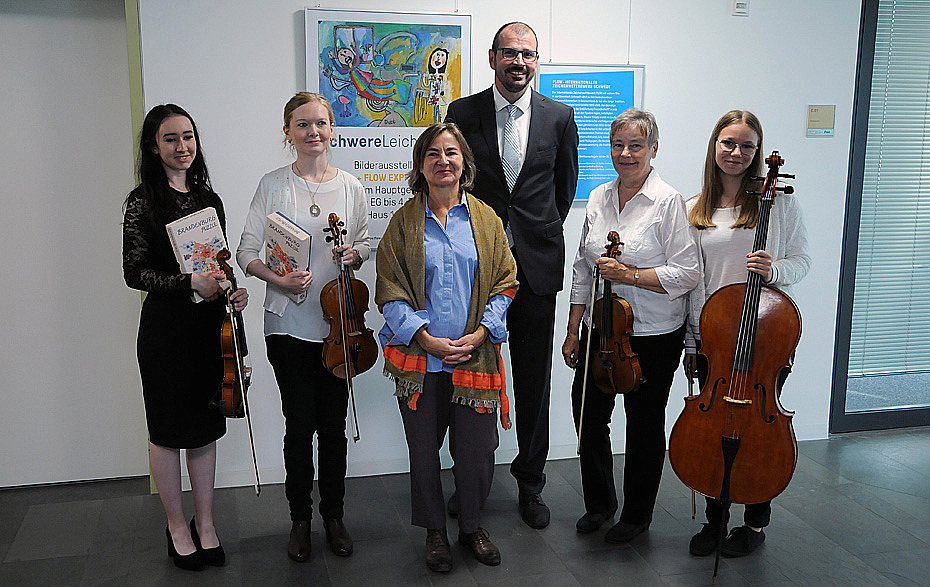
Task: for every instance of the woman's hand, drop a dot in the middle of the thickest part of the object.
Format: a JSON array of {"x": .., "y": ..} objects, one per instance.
[
  {"x": 452, "y": 352},
  {"x": 295, "y": 282},
  {"x": 466, "y": 345},
  {"x": 613, "y": 270},
  {"x": 760, "y": 262},
  {"x": 570, "y": 349},
  {"x": 207, "y": 285},
  {"x": 349, "y": 255},
  {"x": 689, "y": 362},
  {"x": 239, "y": 299}
]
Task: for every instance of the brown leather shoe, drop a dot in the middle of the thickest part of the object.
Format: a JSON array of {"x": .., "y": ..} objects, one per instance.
[
  {"x": 298, "y": 547},
  {"x": 438, "y": 555},
  {"x": 338, "y": 538},
  {"x": 481, "y": 546}
]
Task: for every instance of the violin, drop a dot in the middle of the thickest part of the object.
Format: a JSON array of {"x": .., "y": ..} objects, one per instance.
[
  {"x": 615, "y": 368},
  {"x": 734, "y": 441},
  {"x": 350, "y": 348},
  {"x": 237, "y": 373}
]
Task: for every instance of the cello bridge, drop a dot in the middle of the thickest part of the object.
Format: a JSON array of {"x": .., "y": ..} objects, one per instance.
[{"x": 727, "y": 398}]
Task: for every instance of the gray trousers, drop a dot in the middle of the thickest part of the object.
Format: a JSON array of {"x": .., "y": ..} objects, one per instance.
[{"x": 472, "y": 442}]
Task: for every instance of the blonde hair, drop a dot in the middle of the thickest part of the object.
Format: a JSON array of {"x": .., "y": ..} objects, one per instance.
[
  {"x": 702, "y": 214},
  {"x": 301, "y": 98}
]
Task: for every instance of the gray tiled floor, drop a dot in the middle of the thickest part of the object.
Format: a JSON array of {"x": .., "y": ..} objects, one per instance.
[{"x": 856, "y": 513}]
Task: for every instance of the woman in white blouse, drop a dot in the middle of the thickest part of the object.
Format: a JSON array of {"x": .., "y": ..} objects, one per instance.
[
  {"x": 724, "y": 218},
  {"x": 313, "y": 399},
  {"x": 657, "y": 269}
]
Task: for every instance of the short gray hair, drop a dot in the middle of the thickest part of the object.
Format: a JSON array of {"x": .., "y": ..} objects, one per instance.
[{"x": 644, "y": 121}]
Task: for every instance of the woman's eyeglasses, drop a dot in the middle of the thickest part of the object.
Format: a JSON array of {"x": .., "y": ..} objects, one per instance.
[{"x": 744, "y": 148}]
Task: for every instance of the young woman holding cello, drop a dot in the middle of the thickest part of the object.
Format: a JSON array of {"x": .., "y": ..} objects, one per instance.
[
  {"x": 655, "y": 272},
  {"x": 724, "y": 217},
  {"x": 313, "y": 400},
  {"x": 180, "y": 357}
]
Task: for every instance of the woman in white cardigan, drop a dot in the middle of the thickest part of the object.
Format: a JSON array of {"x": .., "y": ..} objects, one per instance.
[
  {"x": 313, "y": 399},
  {"x": 724, "y": 217}
]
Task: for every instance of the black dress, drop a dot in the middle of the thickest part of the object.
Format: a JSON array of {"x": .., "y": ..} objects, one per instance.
[{"x": 178, "y": 346}]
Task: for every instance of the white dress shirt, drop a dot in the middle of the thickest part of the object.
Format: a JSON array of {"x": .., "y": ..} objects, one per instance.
[
  {"x": 655, "y": 232},
  {"x": 522, "y": 120}
]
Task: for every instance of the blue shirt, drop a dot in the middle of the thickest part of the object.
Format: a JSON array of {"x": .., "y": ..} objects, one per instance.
[{"x": 451, "y": 261}]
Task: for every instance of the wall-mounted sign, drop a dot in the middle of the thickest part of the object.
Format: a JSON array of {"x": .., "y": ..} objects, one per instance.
[{"x": 821, "y": 120}]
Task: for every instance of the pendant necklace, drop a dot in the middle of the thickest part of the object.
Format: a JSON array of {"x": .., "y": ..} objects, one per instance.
[{"x": 314, "y": 209}]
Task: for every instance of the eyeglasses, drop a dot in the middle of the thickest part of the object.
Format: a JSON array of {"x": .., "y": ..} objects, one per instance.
[
  {"x": 509, "y": 54},
  {"x": 744, "y": 148}
]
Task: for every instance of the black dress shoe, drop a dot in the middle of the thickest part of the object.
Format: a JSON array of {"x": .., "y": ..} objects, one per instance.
[
  {"x": 705, "y": 542},
  {"x": 438, "y": 554},
  {"x": 624, "y": 532},
  {"x": 533, "y": 510},
  {"x": 338, "y": 538},
  {"x": 298, "y": 547},
  {"x": 215, "y": 557},
  {"x": 742, "y": 540},
  {"x": 481, "y": 546},
  {"x": 452, "y": 506},
  {"x": 188, "y": 562},
  {"x": 591, "y": 522}
]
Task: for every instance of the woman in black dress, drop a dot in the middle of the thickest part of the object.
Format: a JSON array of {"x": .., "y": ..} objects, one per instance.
[{"x": 179, "y": 341}]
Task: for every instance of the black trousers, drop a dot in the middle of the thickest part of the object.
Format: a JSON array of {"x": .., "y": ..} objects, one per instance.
[
  {"x": 531, "y": 325},
  {"x": 757, "y": 515},
  {"x": 313, "y": 401},
  {"x": 472, "y": 441},
  {"x": 645, "y": 429}
]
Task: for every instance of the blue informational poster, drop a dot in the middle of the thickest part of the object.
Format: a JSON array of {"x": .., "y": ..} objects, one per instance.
[{"x": 598, "y": 93}]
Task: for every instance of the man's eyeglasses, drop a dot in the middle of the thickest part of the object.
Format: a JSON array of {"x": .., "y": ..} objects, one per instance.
[
  {"x": 744, "y": 148},
  {"x": 510, "y": 54}
]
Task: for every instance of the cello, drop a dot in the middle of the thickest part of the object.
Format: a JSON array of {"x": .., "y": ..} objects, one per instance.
[
  {"x": 350, "y": 348},
  {"x": 734, "y": 441},
  {"x": 237, "y": 374},
  {"x": 615, "y": 368}
]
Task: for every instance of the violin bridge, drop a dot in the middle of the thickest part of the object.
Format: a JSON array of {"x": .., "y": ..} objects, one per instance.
[{"x": 727, "y": 398}]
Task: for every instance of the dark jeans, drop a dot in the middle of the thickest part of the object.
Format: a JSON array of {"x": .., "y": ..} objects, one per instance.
[
  {"x": 645, "y": 429},
  {"x": 757, "y": 515},
  {"x": 313, "y": 401},
  {"x": 530, "y": 325},
  {"x": 472, "y": 441}
]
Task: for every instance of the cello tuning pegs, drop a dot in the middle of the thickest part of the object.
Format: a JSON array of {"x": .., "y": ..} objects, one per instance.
[
  {"x": 754, "y": 192},
  {"x": 786, "y": 175},
  {"x": 785, "y": 189},
  {"x": 329, "y": 239},
  {"x": 754, "y": 178}
]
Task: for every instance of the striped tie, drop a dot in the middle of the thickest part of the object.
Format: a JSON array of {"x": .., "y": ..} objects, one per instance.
[{"x": 510, "y": 156}]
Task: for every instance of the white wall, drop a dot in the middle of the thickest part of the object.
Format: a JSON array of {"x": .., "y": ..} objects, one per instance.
[
  {"x": 233, "y": 65},
  {"x": 70, "y": 399}
]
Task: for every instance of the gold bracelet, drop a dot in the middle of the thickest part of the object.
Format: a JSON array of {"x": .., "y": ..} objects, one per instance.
[{"x": 636, "y": 277}]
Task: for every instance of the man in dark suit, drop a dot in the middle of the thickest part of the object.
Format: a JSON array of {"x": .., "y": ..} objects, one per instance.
[{"x": 526, "y": 152}]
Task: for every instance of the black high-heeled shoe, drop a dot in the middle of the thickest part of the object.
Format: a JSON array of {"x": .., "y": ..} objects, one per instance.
[
  {"x": 215, "y": 557},
  {"x": 188, "y": 562}
]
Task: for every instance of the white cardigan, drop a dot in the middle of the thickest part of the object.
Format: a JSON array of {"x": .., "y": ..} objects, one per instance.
[
  {"x": 787, "y": 243},
  {"x": 275, "y": 192}
]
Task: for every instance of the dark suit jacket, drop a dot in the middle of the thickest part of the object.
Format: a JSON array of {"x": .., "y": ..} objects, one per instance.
[{"x": 543, "y": 193}]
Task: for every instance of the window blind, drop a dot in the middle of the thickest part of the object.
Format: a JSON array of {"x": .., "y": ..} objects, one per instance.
[{"x": 890, "y": 331}]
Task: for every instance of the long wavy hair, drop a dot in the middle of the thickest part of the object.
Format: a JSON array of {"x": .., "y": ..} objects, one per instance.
[
  {"x": 150, "y": 170},
  {"x": 702, "y": 214}
]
